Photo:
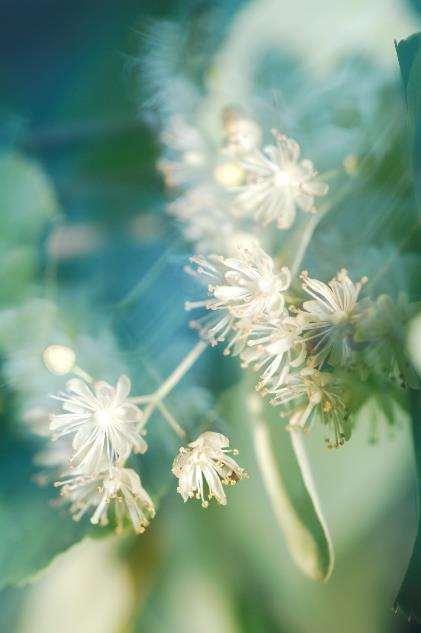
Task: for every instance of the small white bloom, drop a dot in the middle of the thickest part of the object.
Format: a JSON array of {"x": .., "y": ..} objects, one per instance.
[
  {"x": 104, "y": 421},
  {"x": 119, "y": 487},
  {"x": 314, "y": 395},
  {"x": 242, "y": 290},
  {"x": 278, "y": 183},
  {"x": 247, "y": 285},
  {"x": 206, "y": 463},
  {"x": 59, "y": 359},
  {"x": 328, "y": 318},
  {"x": 274, "y": 346}
]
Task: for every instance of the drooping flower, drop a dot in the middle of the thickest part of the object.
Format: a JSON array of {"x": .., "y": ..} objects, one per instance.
[
  {"x": 279, "y": 183},
  {"x": 104, "y": 422},
  {"x": 241, "y": 289},
  {"x": 315, "y": 395},
  {"x": 204, "y": 466},
  {"x": 330, "y": 316},
  {"x": 119, "y": 488},
  {"x": 274, "y": 346}
]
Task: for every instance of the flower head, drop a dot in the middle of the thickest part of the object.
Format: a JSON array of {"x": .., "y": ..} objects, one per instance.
[
  {"x": 103, "y": 420},
  {"x": 315, "y": 395},
  {"x": 118, "y": 487},
  {"x": 278, "y": 183},
  {"x": 204, "y": 466},
  {"x": 329, "y": 317},
  {"x": 241, "y": 289},
  {"x": 274, "y": 346}
]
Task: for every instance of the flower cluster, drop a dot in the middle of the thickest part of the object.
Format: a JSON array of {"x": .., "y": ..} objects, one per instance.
[
  {"x": 294, "y": 350},
  {"x": 234, "y": 186},
  {"x": 100, "y": 427},
  {"x": 97, "y": 430}
]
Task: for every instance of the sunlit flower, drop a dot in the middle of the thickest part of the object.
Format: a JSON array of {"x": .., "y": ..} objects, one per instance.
[
  {"x": 242, "y": 290},
  {"x": 119, "y": 488},
  {"x": 274, "y": 346},
  {"x": 279, "y": 183},
  {"x": 204, "y": 466},
  {"x": 104, "y": 421},
  {"x": 248, "y": 285},
  {"x": 311, "y": 395},
  {"x": 329, "y": 317}
]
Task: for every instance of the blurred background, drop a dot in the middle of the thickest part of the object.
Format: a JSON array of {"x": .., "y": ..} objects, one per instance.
[{"x": 89, "y": 257}]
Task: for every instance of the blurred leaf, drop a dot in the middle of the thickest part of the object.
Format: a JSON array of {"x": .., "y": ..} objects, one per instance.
[
  {"x": 409, "y": 56},
  {"x": 32, "y": 532},
  {"x": 27, "y": 199},
  {"x": 17, "y": 271}
]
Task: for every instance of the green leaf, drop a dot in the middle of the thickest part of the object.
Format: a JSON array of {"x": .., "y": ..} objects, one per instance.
[
  {"x": 27, "y": 199},
  {"x": 409, "y": 56},
  {"x": 32, "y": 531}
]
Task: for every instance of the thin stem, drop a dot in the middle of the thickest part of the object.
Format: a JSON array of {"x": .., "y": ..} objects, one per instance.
[
  {"x": 310, "y": 227},
  {"x": 172, "y": 422},
  {"x": 141, "y": 399},
  {"x": 82, "y": 374},
  {"x": 303, "y": 244},
  {"x": 173, "y": 379}
]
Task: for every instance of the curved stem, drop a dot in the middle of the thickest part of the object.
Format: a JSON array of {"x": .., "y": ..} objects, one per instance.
[{"x": 156, "y": 398}]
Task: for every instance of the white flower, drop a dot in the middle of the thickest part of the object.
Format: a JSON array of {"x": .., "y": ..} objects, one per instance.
[
  {"x": 104, "y": 421},
  {"x": 329, "y": 317},
  {"x": 315, "y": 395},
  {"x": 204, "y": 466},
  {"x": 118, "y": 487},
  {"x": 278, "y": 183},
  {"x": 274, "y": 346},
  {"x": 244, "y": 288}
]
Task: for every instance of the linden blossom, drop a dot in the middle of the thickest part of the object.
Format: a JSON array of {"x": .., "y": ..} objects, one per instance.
[
  {"x": 327, "y": 317},
  {"x": 105, "y": 423},
  {"x": 241, "y": 290},
  {"x": 274, "y": 347},
  {"x": 206, "y": 461},
  {"x": 314, "y": 394},
  {"x": 118, "y": 487},
  {"x": 279, "y": 183}
]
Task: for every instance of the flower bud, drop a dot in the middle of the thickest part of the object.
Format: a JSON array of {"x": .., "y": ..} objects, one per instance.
[{"x": 59, "y": 359}]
